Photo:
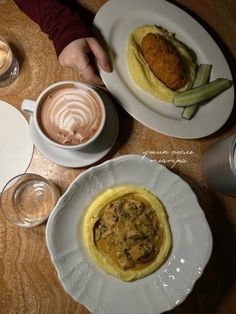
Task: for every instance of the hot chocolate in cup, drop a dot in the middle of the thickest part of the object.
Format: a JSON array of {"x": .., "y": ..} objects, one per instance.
[{"x": 68, "y": 114}]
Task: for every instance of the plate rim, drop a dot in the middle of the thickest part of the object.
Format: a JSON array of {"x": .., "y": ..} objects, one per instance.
[{"x": 61, "y": 203}]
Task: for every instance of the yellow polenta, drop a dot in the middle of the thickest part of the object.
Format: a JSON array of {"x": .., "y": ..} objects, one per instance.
[
  {"x": 140, "y": 71},
  {"x": 126, "y": 232}
]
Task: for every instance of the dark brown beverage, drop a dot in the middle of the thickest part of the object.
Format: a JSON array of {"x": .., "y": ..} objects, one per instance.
[{"x": 70, "y": 115}]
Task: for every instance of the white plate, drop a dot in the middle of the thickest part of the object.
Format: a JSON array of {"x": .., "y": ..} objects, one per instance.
[
  {"x": 15, "y": 142},
  {"x": 166, "y": 287},
  {"x": 89, "y": 155},
  {"x": 115, "y": 20}
]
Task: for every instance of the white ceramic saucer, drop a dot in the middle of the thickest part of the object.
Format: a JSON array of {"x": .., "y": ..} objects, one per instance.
[
  {"x": 15, "y": 142},
  {"x": 94, "y": 152}
]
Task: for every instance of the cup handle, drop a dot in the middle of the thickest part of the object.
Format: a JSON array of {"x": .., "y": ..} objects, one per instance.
[{"x": 28, "y": 106}]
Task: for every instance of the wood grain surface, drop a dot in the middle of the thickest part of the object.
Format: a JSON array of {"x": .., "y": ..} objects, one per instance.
[{"x": 28, "y": 281}]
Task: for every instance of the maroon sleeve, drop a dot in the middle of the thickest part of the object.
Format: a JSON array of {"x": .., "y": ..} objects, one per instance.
[{"x": 58, "y": 21}]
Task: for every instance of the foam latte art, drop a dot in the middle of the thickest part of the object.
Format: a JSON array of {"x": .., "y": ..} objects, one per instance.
[{"x": 70, "y": 115}]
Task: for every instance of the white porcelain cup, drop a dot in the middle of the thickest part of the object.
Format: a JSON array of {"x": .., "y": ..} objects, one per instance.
[
  {"x": 219, "y": 166},
  {"x": 67, "y": 114}
]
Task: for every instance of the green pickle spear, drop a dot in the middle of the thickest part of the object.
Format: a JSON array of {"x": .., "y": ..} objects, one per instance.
[
  {"x": 202, "y": 77},
  {"x": 202, "y": 93}
]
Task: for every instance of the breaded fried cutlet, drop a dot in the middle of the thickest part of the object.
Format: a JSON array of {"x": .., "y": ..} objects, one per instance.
[{"x": 163, "y": 61}]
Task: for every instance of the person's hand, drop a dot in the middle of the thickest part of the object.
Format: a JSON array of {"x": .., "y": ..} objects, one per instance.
[{"x": 75, "y": 55}]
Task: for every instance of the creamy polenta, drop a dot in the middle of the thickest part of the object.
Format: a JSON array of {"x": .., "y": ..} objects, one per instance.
[
  {"x": 140, "y": 71},
  {"x": 126, "y": 232}
]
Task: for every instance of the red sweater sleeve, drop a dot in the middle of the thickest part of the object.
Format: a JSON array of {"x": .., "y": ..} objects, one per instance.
[{"x": 59, "y": 22}]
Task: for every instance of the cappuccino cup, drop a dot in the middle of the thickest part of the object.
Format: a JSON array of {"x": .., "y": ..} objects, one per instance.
[{"x": 67, "y": 114}]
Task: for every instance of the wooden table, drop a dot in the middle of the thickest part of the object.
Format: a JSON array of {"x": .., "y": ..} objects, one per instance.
[{"x": 28, "y": 281}]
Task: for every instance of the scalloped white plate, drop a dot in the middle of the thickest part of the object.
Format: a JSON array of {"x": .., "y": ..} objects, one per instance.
[
  {"x": 102, "y": 293},
  {"x": 116, "y": 20}
]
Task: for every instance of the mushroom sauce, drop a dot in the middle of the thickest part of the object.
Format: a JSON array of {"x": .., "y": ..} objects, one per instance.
[{"x": 129, "y": 232}]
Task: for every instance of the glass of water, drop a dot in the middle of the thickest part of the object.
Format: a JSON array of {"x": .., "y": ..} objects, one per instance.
[
  {"x": 219, "y": 166},
  {"x": 28, "y": 199},
  {"x": 9, "y": 67}
]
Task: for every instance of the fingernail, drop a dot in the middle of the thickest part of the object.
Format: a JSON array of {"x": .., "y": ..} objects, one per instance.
[{"x": 107, "y": 67}]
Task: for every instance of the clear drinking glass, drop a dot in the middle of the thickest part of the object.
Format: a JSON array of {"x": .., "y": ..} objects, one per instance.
[
  {"x": 28, "y": 199},
  {"x": 9, "y": 67},
  {"x": 219, "y": 166}
]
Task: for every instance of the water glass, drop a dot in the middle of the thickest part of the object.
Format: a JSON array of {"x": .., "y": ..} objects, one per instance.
[
  {"x": 28, "y": 199},
  {"x": 9, "y": 67},
  {"x": 219, "y": 166}
]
